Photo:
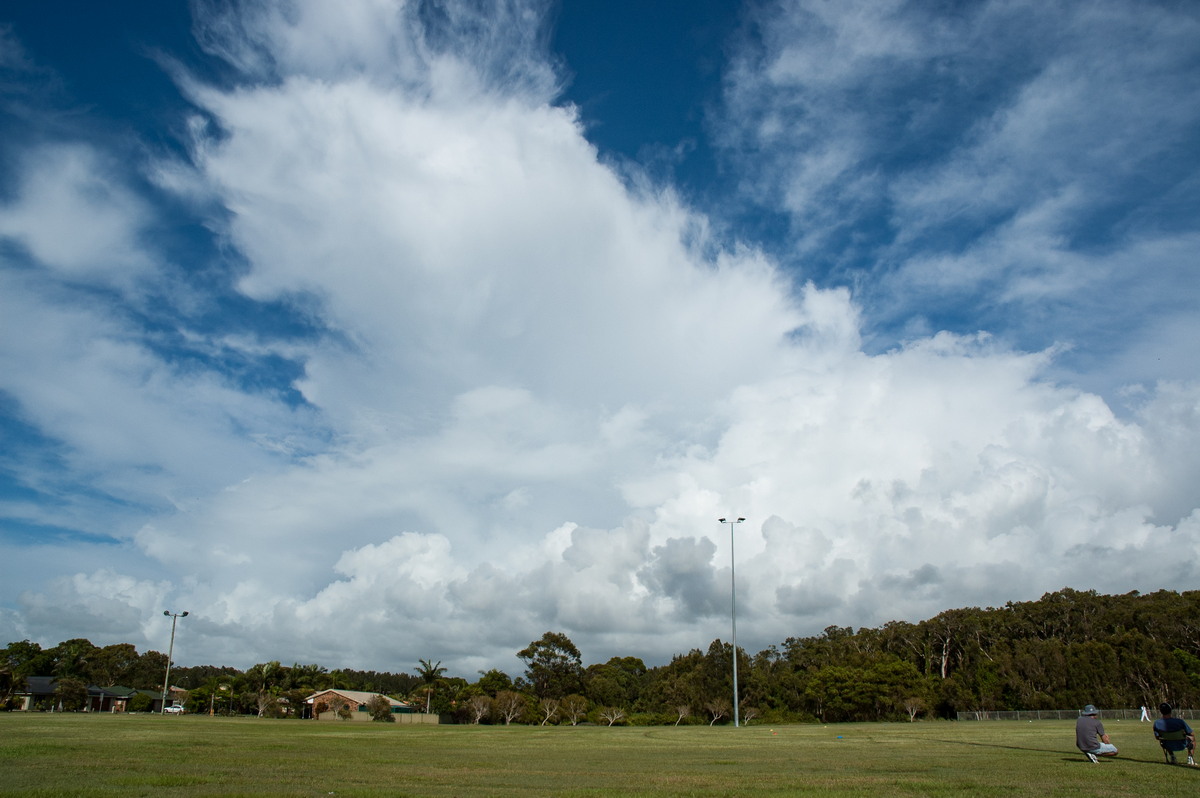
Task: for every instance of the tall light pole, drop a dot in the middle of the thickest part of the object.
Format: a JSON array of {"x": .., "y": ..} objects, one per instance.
[
  {"x": 733, "y": 612},
  {"x": 175, "y": 616}
]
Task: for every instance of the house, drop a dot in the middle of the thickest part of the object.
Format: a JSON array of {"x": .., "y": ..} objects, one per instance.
[
  {"x": 117, "y": 698},
  {"x": 175, "y": 695},
  {"x": 108, "y": 699},
  {"x": 327, "y": 704},
  {"x": 39, "y": 694}
]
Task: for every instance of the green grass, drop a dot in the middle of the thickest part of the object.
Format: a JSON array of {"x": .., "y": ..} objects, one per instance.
[{"x": 150, "y": 755}]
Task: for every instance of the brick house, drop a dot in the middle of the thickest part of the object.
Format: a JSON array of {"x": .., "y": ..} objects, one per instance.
[{"x": 326, "y": 704}]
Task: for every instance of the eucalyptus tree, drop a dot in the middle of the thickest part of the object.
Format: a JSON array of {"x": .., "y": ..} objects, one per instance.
[
  {"x": 574, "y": 708},
  {"x": 479, "y": 707},
  {"x": 509, "y": 705},
  {"x": 26, "y": 658},
  {"x": 553, "y": 666},
  {"x": 717, "y": 708},
  {"x": 618, "y": 682},
  {"x": 612, "y": 714},
  {"x": 147, "y": 672},
  {"x": 493, "y": 681},
  {"x": 548, "y": 709},
  {"x": 112, "y": 665}
]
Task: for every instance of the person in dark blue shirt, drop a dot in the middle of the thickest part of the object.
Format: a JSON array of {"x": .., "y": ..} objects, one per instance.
[{"x": 1174, "y": 735}]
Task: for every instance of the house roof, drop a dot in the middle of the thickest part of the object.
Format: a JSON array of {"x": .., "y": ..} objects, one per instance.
[
  {"x": 355, "y": 696},
  {"x": 38, "y": 685},
  {"x": 117, "y": 691},
  {"x": 44, "y": 685}
]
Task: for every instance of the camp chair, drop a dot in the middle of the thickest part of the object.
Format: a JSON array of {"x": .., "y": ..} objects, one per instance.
[{"x": 1172, "y": 742}]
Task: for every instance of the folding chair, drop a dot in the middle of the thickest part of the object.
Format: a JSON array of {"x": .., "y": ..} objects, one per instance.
[{"x": 1172, "y": 742}]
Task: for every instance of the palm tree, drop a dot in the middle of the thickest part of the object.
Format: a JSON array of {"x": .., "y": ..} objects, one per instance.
[{"x": 429, "y": 673}]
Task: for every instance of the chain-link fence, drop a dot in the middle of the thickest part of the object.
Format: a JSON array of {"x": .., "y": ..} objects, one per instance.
[{"x": 1072, "y": 714}]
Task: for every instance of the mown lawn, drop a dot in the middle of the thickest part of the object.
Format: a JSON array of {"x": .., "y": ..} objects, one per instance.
[{"x": 150, "y": 755}]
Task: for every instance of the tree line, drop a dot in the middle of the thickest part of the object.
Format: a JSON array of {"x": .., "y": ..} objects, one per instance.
[{"x": 1064, "y": 650}]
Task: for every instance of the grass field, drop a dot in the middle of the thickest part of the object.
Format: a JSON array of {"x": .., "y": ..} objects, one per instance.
[{"x": 150, "y": 755}]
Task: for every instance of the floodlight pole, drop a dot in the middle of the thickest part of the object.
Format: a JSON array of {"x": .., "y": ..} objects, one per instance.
[
  {"x": 175, "y": 616},
  {"x": 733, "y": 612}
]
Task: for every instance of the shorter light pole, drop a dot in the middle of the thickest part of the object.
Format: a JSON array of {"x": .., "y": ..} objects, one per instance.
[
  {"x": 175, "y": 616},
  {"x": 733, "y": 613}
]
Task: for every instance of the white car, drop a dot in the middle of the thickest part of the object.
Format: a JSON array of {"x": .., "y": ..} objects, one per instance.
[{"x": 174, "y": 709}]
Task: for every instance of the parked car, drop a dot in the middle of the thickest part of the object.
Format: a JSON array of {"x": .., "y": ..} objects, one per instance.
[{"x": 174, "y": 709}]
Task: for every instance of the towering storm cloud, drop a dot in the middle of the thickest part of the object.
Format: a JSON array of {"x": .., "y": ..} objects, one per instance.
[{"x": 362, "y": 350}]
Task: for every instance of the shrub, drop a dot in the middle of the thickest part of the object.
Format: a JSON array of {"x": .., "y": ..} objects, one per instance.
[
  {"x": 380, "y": 709},
  {"x": 140, "y": 702}
]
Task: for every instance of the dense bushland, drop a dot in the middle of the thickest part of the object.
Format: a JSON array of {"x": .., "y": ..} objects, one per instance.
[{"x": 1064, "y": 650}]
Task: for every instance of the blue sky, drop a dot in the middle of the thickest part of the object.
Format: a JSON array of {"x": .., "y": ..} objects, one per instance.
[{"x": 438, "y": 325}]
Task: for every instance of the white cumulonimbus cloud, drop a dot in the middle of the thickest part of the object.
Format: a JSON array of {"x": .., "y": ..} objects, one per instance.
[{"x": 535, "y": 391}]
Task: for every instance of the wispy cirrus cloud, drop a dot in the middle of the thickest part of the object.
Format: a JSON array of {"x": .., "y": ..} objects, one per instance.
[{"x": 1004, "y": 167}]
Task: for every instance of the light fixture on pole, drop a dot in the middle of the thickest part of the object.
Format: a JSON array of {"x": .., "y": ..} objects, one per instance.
[
  {"x": 175, "y": 616},
  {"x": 733, "y": 613}
]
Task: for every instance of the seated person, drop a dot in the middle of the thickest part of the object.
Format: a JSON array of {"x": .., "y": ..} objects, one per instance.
[
  {"x": 1174, "y": 735},
  {"x": 1090, "y": 736}
]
